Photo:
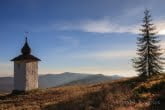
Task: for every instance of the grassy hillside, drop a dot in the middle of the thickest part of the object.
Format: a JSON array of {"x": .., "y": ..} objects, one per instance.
[{"x": 126, "y": 94}]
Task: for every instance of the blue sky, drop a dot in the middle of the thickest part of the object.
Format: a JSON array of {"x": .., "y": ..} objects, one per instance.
[{"x": 85, "y": 36}]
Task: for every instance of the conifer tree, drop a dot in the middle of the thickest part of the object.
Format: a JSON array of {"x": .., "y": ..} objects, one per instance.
[{"x": 149, "y": 61}]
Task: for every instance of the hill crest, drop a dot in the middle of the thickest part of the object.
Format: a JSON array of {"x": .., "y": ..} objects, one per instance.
[{"x": 127, "y": 93}]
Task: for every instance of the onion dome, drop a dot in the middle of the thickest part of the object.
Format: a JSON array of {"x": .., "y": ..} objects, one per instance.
[
  {"x": 26, "y": 54},
  {"x": 26, "y": 50}
]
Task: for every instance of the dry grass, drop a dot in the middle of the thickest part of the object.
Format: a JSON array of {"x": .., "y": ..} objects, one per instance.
[{"x": 130, "y": 94}]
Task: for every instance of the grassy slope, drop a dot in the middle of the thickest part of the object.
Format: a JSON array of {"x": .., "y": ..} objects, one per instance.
[{"x": 130, "y": 94}]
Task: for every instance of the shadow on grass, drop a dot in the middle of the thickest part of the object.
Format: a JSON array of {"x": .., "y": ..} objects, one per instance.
[
  {"x": 90, "y": 101},
  {"x": 159, "y": 102},
  {"x": 16, "y": 93}
]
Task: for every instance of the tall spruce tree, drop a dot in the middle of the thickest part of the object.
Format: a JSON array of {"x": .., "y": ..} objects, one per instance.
[{"x": 149, "y": 61}]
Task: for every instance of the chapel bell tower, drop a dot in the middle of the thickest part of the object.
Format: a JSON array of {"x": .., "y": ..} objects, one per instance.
[{"x": 25, "y": 70}]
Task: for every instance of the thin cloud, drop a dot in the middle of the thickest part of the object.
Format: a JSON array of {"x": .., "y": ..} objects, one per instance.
[
  {"x": 106, "y": 55},
  {"x": 104, "y": 26},
  {"x": 101, "y": 26},
  {"x": 160, "y": 25},
  {"x": 96, "y": 26}
]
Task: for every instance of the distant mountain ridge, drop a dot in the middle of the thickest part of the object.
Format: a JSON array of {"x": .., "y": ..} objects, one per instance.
[
  {"x": 54, "y": 80},
  {"x": 91, "y": 79}
]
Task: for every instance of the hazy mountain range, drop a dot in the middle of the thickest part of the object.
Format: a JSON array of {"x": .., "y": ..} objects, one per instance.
[{"x": 54, "y": 80}]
